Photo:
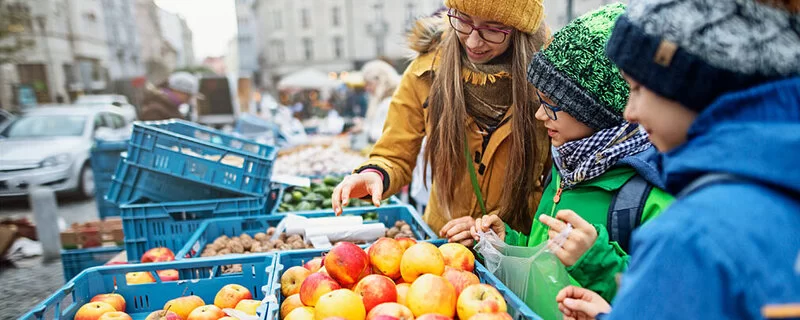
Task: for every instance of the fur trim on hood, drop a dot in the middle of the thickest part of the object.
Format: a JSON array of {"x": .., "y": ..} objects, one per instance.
[{"x": 427, "y": 33}]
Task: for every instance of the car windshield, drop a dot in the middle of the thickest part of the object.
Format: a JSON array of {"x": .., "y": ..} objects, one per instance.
[{"x": 39, "y": 126}]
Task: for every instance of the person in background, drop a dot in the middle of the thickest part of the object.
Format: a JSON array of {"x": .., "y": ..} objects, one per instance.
[
  {"x": 716, "y": 84},
  {"x": 467, "y": 93},
  {"x": 600, "y": 160},
  {"x": 165, "y": 101},
  {"x": 380, "y": 82}
]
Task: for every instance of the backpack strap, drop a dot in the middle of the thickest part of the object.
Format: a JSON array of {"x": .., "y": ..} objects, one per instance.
[
  {"x": 707, "y": 180},
  {"x": 626, "y": 209}
]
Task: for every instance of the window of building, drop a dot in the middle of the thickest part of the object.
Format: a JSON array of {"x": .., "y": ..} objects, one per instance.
[
  {"x": 305, "y": 18},
  {"x": 308, "y": 48},
  {"x": 278, "y": 51},
  {"x": 411, "y": 14},
  {"x": 277, "y": 20},
  {"x": 338, "y": 47},
  {"x": 336, "y": 19}
]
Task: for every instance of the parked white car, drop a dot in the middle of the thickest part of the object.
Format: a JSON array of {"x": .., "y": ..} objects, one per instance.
[
  {"x": 116, "y": 100},
  {"x": 49, "y": 146}
]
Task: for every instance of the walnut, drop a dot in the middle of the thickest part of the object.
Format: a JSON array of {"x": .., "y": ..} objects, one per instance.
[
  {"x": 285, "y": 247},
  {"x": 399, "y": 223},
  {"x": 261, "y": 237},
  {"x": 294, "y": 238},
  {"x": 245, "y": 236},
  {"x": 284, "y": 236},
  {"x": 405, "y": 228},
  {"x": 256, "y": 247},
  {"x": 271, "y": 231},
  {"x": 224, "y": 252},
  {"x": 392, "y": 233},
  {"x": 221, "y": 241},
  {"x": 298, "y": 245}
]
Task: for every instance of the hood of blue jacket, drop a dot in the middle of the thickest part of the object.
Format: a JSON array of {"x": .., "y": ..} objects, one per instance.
[
  {"x": 647, "y": 164},
  {"x": 753, "y": 134}
]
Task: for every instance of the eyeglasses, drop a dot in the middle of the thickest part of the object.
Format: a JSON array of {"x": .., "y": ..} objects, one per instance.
[
  {"x": 549, "y": 109},
  {"x": 492, "y": 35}
]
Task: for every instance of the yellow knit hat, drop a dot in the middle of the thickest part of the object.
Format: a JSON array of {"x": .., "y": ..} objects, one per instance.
[{"x": 524, "y": 15}]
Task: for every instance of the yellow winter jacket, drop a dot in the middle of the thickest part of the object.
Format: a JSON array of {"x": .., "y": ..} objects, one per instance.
[{"x": 396, "y": 151}]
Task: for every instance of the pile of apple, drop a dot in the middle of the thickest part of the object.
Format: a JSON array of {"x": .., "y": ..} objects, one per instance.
[
  {"x": 154, "y": 255},
  {"x": 392, "y": 280},
  {"x": 111, "y": 306}
]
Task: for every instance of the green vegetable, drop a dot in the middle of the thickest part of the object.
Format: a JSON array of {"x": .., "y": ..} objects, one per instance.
[
  {"x": 331, "y": 181},
  {"x": 297, "y": 195},
  {"x": 305, "y": 206}
]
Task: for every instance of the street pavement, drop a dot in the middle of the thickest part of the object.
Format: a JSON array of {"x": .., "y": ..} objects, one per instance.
[{"x": 32, "y": 280}]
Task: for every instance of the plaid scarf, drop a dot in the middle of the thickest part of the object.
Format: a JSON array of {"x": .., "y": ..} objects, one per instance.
[{"x": 587, "y": 158}]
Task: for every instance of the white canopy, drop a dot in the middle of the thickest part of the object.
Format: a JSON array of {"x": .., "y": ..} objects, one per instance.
[{"x": 309, "y": 78}]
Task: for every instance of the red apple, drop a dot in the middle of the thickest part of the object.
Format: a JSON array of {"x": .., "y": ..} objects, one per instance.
[
  {"x": 384, "y": 317},
  {"x": 376, "y": 289},
  {"x": 207, "y": 312},
  {"x": 491, "y": 316},
  {"x": 402, "y": 293},
  {"x": 346, "y": 262},
  {"x": 158, "y": 255},
  {"x": 456, "y": 255},
  {"x": 116, "y": 315},
  {"x": 163, "y": 315},
  {"x": 406, "y": 242},
  {"x": 93, "y": 310},
  {"x": 314, "y": 264},
  {"x": 431, "y": 294},
  {"x": 290, "y": 303},
  {"x": 390, "y": 309},
  {"x": 139, "y": 277},
  {"x": 385, "y": 255},
  {"x": 230, "y": 295},
  {"x": 421, "y": 258},
  {"x": 292, "y": 278},
  {"x": 460, "y": 279},
  {"x": 479, "y": 298},
  {"x": 433, "y": 316},
  {"x": 114, "y": 299},
  {"x": 248, "y": 306},
  {"x": 316, "y": 285},
  {"x": 168, "y": 275},
  {"x": 183, "y": 306}
]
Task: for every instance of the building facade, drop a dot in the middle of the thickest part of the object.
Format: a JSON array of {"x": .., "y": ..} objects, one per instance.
[
  {"x": 247, "y": 47},
  {"x": 332, "y": 35},
  {"x": 124, "y": 61}
]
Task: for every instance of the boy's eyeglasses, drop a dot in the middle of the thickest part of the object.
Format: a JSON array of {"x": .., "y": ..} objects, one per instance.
[
  {"x": 549, "y": 109},
  {"x": 492, "y": 35}
]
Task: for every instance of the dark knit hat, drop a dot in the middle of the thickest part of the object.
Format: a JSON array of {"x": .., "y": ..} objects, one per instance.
[
  {"x": 574, "y": 72},
  {"x": 693, "y": 51}
]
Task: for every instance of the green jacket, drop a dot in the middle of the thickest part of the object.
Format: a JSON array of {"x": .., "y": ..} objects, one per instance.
[{"x": 597, "y": 268}]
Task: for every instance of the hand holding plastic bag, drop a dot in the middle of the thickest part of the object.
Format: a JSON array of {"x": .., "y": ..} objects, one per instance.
[{"x": 535, "y": 274}]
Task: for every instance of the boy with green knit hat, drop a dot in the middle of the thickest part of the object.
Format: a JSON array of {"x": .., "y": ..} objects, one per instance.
[{"x": 604, "y": 181}]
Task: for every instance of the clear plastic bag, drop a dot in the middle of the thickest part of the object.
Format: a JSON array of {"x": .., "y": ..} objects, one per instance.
[{"x": 534, "y": 274}]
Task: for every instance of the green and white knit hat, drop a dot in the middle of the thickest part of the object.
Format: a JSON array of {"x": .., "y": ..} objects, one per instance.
[{"x": 575, "y": 73}]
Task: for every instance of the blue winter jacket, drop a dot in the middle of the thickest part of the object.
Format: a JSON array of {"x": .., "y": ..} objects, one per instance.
[{"x": 726, "y": 250}]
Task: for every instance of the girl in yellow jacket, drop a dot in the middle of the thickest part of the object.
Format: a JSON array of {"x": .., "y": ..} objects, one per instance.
[{"x": 467, "y": 93}]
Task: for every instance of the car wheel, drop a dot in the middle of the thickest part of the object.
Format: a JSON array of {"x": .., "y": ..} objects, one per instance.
[{"x": 86, "y": 187}]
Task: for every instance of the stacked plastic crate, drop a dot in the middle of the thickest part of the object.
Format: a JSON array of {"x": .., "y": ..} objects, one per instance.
[{"x": 177, "y": 173}]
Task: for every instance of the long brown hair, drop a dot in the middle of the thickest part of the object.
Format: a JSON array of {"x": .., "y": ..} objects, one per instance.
[{"x": 447, "y": 116}]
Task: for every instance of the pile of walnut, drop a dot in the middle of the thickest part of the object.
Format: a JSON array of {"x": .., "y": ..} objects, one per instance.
[
  {"x": 259, "y": 243},
  {"x": 401, "y": 229}
]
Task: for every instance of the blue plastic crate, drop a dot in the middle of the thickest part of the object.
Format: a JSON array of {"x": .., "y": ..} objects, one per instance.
[
  {"x": 516, "y": 308},
  {"x": 186, "y": 150},
  {"x": 75, "y": 261},
  {"x": 199, "y": 277},
  {"x": 209, "y": 230},
  {"x": 105, "y": 208},
  {"x": 393, "y": 200},
  {"x": 134, "y": 184},
  {"x": 105, "y": 155},
  {"x": 171, "y": 224}
]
